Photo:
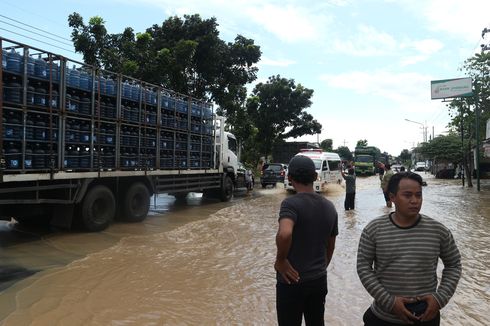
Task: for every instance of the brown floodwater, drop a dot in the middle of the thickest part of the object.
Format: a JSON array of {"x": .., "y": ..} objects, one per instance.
[{"x": 210, "y": 263}]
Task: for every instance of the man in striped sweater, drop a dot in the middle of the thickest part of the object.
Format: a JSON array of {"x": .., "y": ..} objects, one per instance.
[{"x": 397, "y": 260}]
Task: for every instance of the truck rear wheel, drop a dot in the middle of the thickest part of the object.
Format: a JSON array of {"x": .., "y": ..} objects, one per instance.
[
  {"x": 136, "y": 203},
  {"x": 227, "y": 189},
  {"x": 98, "y": 208}
]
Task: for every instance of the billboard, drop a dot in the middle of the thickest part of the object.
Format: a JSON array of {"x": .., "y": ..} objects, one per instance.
[{"x": 447, "y": 88}]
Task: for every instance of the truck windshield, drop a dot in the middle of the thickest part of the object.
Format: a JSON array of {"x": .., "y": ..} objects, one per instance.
[
  {"x": 364, "y": 159},
  {"x": 232, "y": 144}
]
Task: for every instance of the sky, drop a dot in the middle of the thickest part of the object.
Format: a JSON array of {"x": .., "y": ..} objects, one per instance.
[{"x": 369, "y": 62}]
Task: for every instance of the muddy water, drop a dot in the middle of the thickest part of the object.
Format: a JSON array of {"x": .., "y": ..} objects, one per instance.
[{"x": 211, "y": 264}]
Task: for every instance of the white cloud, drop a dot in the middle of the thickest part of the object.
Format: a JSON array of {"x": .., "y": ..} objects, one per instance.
[
  {"x": 463, "y": 19},
  {"x": 400, "y": 87},
  {"x": 368, "y": 42},
  {"x": 288, "y": 22},
  {"x": 427, "y": 46}
]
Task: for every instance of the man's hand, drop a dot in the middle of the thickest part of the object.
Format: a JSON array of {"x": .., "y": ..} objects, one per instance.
[
  {"x": 402, "y": 312},
  {"x": 288, "y": 273},
  {"x": 432, "y": 307}
]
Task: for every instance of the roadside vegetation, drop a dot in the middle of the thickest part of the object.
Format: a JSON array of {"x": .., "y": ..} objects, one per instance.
[{"x": 187, "y": 55}]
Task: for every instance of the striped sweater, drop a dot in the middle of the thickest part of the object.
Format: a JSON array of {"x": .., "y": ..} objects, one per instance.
[{"x": 395, "y": 261}]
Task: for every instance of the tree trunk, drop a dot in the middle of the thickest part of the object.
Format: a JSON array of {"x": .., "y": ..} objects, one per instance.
[{"x": 468, "y": 169}]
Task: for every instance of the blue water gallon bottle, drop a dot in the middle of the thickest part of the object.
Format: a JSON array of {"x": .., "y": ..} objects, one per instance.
[
  {"x": 109, "y": 86},
  {"x": 85, "y": 80},
  {"x": 31, "y": 62},
  {"x": 40, "y": 68},
  {"x": 14, "y": 61},
  {"x": 28, "y": 159},
  {"x": 4, "y": 59},
  {"x": 29, "y": 128},
  {"x": 30, "y": 95},
  {"x": 40, "y": 95}
]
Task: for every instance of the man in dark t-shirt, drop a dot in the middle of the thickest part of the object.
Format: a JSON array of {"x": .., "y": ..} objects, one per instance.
[{"x": 305, "y": 243}]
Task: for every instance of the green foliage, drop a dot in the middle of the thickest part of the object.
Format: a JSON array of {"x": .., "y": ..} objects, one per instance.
[
  {"x": 443, "y": 148},
  {"x": 345, "y": 153},
  {"x": 462, "y": 110},
  {"x": 326, "y": 145},
  {"x": 182, "y": 54},
  {"x": 405, "y": 155},
  {"x": 362, "y": 143},
  {"x": 276, "y": 108}
]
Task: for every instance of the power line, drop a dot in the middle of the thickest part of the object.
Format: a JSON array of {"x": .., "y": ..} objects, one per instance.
[
  {"x": 34, "y": 27},
  {"x": 31, "y": 38},
  {"x": 24, "y": 29}
]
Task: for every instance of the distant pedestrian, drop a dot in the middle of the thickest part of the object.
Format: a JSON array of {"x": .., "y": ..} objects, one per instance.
[
  {"x": 402, "y": 169},
  {"x": 305, "y": 243},
  {"x": 384, "y": 184},
  {"x": 249, "y": 180},
  {"x": 381, "y": 170},
  {"x": 398, "y": 256},
  {"x": 350, "y": 188}
]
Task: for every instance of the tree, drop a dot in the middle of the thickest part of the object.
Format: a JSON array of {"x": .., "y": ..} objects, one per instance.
[
  {"x": 405, "y": 155},
  {"x": 462, "y": 110},
  {"x": 326, "y": 145},
  {"x": 362, "y": 143},
  {"x": 185, "y": 55},
  {"x": 344, "y": 153},
  {"x": 443, "y": 149},
  {"x": 276, "y": 108}
]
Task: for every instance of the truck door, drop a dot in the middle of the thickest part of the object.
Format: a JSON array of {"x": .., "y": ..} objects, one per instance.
[{"x": 325, "y": 172}]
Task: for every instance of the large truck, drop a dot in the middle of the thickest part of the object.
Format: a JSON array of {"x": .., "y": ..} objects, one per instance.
[
  {"x": 81, "y": 144},
  {"x": 365, "y": 159}
]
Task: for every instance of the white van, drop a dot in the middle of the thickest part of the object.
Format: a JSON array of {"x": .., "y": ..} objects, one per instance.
[{"x": 327, "y": 166}]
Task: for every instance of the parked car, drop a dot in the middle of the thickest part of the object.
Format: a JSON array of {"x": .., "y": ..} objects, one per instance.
[
  {"x": 420, "y": 166},
  {"x": 272, "y": 173}
]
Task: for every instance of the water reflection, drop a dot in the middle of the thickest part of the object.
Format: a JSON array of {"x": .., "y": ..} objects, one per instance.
[{"x": 210, "y": 263}]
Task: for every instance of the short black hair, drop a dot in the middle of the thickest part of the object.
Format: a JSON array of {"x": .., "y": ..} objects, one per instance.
[
  {"x": 302, "y": 169},
  {"x": 305, "y": 178},
  {"x": 396, "y": 178}
]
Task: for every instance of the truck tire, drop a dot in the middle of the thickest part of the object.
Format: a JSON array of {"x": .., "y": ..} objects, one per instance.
[
  {"x": 98, "y": 208},
  {"x": 136, "y": 203},
  {"x": 227, "y": 189}
]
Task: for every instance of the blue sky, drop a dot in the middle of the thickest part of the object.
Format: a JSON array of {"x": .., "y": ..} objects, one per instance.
[{"x": 369, "y": 62}]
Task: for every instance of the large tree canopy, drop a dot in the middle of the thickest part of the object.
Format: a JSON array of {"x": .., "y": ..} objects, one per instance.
[
  {"x": 277, "y": 109},
  {"x": 185, "y": 55},
  {"x": 443, "y": 148}
]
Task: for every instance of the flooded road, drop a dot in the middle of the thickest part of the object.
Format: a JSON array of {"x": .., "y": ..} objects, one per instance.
[{"x": 212, "y": 263}]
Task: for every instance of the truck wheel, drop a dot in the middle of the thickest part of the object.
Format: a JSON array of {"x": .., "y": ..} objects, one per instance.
[
  {"x": 136, "y": 203},
  {"x": 227, "y": 189},
  {"x": 98, "y": 208}
]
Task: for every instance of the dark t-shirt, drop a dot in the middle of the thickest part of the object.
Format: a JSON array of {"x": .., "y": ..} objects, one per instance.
[
  {"x": 315, "y": 220},
  {"x": 350, "y": 183}
]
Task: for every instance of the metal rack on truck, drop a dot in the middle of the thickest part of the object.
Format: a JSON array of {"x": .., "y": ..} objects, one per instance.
[{"x": 85, "y": 144}]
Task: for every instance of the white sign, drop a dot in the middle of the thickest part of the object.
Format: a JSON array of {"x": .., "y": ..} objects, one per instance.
[{"x": 447, "y": 88}]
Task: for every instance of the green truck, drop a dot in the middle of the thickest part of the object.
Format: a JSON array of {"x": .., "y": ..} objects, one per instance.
[{"x": 365, "y": 160}]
